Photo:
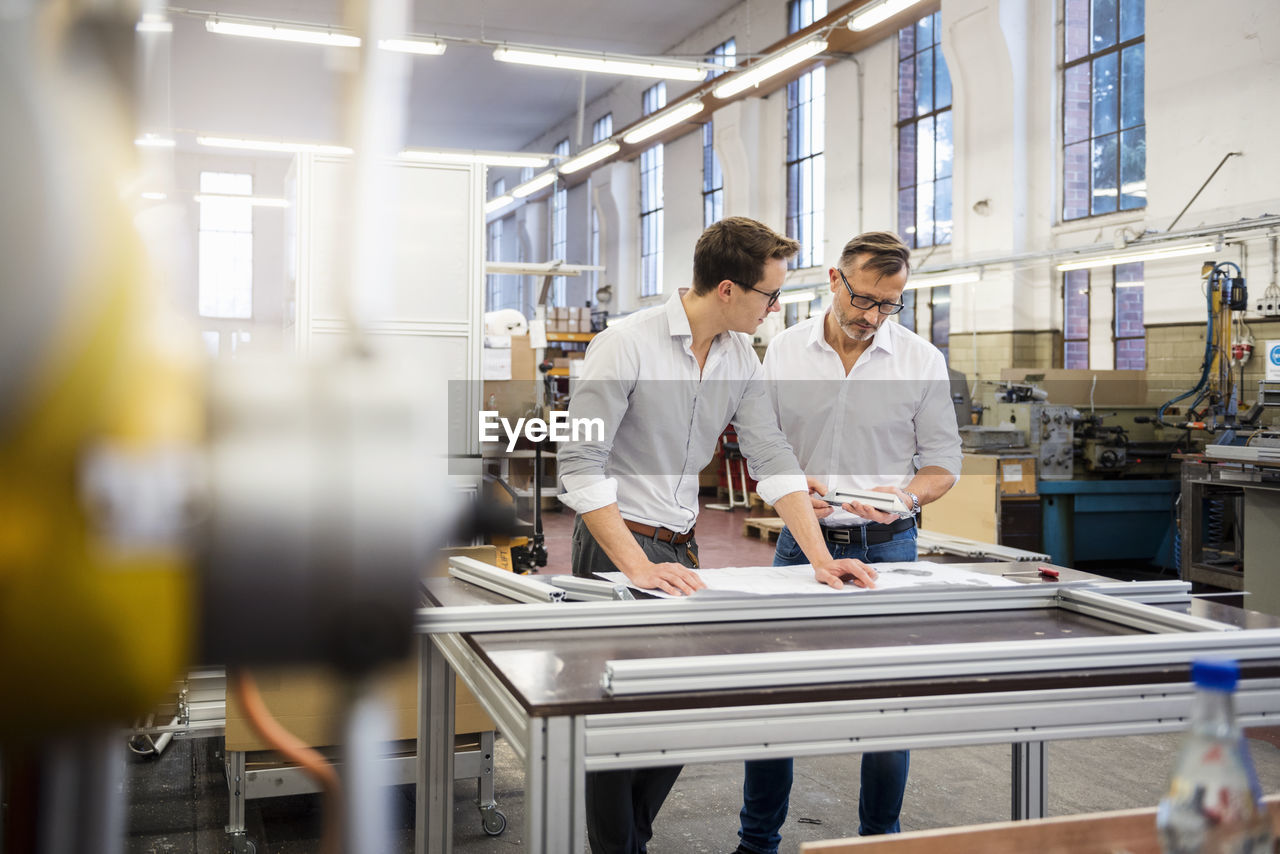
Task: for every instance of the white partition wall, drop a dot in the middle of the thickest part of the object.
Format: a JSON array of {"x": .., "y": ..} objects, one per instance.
[{"x": 424, "y": 314}]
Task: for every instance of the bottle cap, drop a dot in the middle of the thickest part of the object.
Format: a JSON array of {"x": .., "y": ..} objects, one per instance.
[{"x": 1216, "y": 674}]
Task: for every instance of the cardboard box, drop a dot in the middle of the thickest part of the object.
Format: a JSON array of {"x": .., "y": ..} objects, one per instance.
[
  {"x": 1074, "y": 387},
  {"x": 307, "y": 701},
  {"x": 515, "y": 397}
]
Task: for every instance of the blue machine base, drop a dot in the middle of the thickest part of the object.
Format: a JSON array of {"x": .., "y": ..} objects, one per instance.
[{"x": 1109, "y": 520}]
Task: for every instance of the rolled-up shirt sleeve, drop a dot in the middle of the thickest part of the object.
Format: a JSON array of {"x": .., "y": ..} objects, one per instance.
[
  {"x": 937, "y": 435},
  {"x": 770, "y": 459},
  {"x": 601, "y": 391}
]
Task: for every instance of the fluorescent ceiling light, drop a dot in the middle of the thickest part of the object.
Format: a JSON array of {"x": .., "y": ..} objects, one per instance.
[
  {"x": 867, "y": 18},
  {"x": 592, "y": 155},
  {"x": 421, "y": 47},
  {"x": 797, "y": 296},
  {"x": 535, "y": 184},
  {"x": 284, "y": 34},
  {"x": 279, "y": 146},
  {"x": 1140, "y": 255},
  {"x": 154, "y": 140},
  {"x": 497, "y": 203},
  {"x": 253, "y": 201},
  {"x": 602, "y": 63},
  {"x": 666, "y": 119},
  {"x": 488, "y": 158},
  {"x": 942, "y": 280},
  {"x": 752, "y": 75}
]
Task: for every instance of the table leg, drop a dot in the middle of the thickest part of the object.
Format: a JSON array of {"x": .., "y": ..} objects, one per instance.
[
  {"x": 555, "y": 787},
  {"x": 434, "y": 805},
  {"x": 1030, "y": 780}
]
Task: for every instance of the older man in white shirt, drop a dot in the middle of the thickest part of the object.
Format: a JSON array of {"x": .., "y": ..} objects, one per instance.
[
  {"x": 665, "y": 383},
  {"x": 866, "y": 404}
]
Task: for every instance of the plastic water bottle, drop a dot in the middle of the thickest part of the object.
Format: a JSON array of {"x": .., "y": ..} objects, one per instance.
[{"x": 1213, "y": 805}]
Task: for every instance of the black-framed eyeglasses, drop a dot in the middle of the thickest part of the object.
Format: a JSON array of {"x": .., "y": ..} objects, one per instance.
[
  {"x": 867, "y": 303},
  {"x": 772, "y": 295}
]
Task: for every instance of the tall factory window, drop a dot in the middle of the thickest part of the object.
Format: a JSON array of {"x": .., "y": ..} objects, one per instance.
[
  {"x": 940, "y": 323},
  {"x": 559, "y": 227},
  {"x": 806, "y": 132},
  {"x": 1104, "y": 136},
  {"x": 724, "y": 54},
  {"x": 225, "y": 283},
  {"x": 602, "y": 129},
  {"x": 1130, "y": 330},
  {"x": 493, "y": 282},
  {"x": 1075, "y": 319},
  {"x": 925, "y": 150},
  {"x": 654, "y": 99},
  {"x": 907, "y": 317}
]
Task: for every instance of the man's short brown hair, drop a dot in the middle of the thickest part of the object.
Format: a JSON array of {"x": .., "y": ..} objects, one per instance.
[
  {"x": 736, "y": 248},
  {"x": 885, "y": 253}
]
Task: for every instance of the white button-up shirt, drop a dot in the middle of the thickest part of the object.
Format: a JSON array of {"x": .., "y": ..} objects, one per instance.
[
  {"x": 890, "y": 416},
  {"x": 663, "y": 419}
]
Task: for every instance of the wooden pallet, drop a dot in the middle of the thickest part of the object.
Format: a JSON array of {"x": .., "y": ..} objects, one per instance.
[{"x": 767, "y": 528}]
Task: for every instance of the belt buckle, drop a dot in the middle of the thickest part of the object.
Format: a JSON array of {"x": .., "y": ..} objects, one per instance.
[{"x": 839, "y": 535}]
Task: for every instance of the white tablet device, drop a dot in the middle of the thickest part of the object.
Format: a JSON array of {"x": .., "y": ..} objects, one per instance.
[{"x": 886, "y": 501}]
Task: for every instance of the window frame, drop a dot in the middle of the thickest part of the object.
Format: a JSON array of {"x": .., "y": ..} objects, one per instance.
[
  {"x": 558, "y": 214},
  {"x": 914, "y": 123},
  {"x": 1090, "y": 139},
  {"x": 602, "y": 128},
  {"x": 1067, "y": 275},
  {"x": 724, "y": 54},
  {"x": 806, "y": 173},
  {"x": 1116, "y": 337},
  {"x": 206, "y": 227},
  {"x": 653, "y": 99}
]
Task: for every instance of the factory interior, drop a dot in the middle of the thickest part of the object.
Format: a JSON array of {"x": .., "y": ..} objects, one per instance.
[{"x": 301, "y": 547}]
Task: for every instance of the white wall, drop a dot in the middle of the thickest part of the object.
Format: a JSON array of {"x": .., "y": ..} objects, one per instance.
[{"x": 682, "y": 210}]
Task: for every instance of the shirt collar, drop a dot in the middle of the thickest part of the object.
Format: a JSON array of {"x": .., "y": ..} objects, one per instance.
[
  {"x": 677, "y": 319},
  {"x": 883, "y": 339}
]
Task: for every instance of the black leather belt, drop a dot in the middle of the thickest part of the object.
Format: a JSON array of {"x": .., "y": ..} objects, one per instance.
[
  {"x": 664, "y": 535},
  {"x": 876, "y": 532}
]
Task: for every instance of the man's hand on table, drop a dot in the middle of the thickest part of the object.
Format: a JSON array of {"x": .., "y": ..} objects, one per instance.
[
  {"x": 836, "y": 573},
  {"x": 670, "y": 578}
]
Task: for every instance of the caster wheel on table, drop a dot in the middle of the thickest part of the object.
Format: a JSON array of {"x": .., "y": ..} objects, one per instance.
[{"x": 493, "y": 821}]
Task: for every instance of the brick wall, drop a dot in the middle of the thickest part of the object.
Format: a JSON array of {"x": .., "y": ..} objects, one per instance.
[
  {"x": 1175, "y": 353},
  {"x": 999, "y": 350}
]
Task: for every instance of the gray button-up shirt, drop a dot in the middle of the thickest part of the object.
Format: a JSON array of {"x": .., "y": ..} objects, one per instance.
[{"x": 663, "y": 419}]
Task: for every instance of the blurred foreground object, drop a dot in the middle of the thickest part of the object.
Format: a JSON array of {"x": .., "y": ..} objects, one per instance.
[{"x": 1214, "y": 804}]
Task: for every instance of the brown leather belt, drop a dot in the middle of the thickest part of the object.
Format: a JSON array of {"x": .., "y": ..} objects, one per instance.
[{"x": 662, "y": 535}]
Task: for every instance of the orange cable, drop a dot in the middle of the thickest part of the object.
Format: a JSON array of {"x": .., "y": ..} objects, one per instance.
[{"x": 295, "y": 750}]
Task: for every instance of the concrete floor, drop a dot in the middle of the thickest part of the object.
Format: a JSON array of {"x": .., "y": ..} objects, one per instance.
[{"x": 178, "y": 803}]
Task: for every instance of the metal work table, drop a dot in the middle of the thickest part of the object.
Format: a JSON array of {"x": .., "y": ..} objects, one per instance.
[
  {"x": 579, "y": 687},
  {"x": 1253, "y": 492}
]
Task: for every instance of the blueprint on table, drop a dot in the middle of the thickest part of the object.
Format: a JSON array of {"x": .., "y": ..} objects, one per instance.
[{"x": 777, "y": 580}]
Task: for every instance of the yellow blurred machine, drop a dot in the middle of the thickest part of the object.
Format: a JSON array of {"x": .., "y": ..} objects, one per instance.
[{"x": 99, "y": 408}]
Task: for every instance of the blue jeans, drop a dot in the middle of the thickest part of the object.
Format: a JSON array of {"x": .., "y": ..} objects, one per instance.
[{"x": 767, "y": 782}]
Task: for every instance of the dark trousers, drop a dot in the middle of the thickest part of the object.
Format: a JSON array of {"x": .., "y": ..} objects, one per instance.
[{"x": 621, "y": 805}]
